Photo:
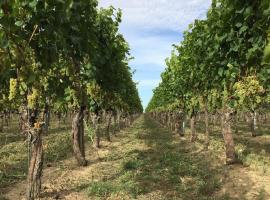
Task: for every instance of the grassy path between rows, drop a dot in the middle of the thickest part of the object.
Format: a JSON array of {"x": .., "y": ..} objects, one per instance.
[{"x": 146, "y": 161}]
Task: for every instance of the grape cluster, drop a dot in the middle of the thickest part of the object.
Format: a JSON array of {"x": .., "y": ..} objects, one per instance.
[
  {"x": 249, "y": 89},
  {"x": 32, "y": 99},
  {"x": 13, "y": 88}
]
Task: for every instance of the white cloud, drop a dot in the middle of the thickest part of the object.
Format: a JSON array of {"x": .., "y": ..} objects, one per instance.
[
  {"x": 159, "y": 14},
  {"x": 149, "y": 82},
  {"x": 143, "y": 20},
  {"x": 151, "y": 49}
]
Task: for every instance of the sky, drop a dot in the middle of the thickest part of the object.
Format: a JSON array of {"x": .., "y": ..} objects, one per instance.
[{"x": 151, "y": 27}]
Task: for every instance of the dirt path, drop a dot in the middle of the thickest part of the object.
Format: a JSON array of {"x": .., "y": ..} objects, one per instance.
[{"x": 148, "y": 162}]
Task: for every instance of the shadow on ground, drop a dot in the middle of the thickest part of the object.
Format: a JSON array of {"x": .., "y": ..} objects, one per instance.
[
  {"x": 160, "y": 165},
  {"x": 147, "y": 161}
]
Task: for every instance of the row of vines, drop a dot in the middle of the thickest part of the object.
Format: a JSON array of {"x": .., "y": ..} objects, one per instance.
[
  {"x": 221, "y": 71},
  {"x": 63, "y": 57}
]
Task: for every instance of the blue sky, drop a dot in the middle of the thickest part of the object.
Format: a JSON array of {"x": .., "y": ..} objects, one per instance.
[{"x": 151, "y": 27}]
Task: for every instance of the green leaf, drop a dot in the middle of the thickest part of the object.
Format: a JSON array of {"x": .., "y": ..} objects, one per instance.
[
  {"x": 31, "y": 78},
  {"x": 267, "y": 54},
  {"x": 266, "y": 12},
  {"x": 248, "y": 11},
  {"x": 33, "y": 4},
  {"x": 238, "y": 25},
  {"x": 230, "y": 66},
  {"x": 243, "y": 29},
  {"x": 19, "y": 23},
  {"x": 220, "y": 71},
  {"x": 4, "y": 44}
]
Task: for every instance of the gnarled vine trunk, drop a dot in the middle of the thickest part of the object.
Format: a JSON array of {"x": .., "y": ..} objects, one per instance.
[
  {"x": 115, "y": 124},
  {"x": 236, "y": 121},
  {"x": 192, "y": 128},
  {"x": 35, "y": 153},
  {"x": 118, "y": 119},
  {"x": 23, "y": 121},
  {"x": 97, "y": 135},
  {"x": 183, "y": 125},
  {"x": 179, "y": 124},
  {"x": 253, "y": 123},
  {"x": 109, "y": 119},
  {"x": 228, "y": 137},
  {"x": 172, "y": 121},
  {"x": 35, "y": 164},
  {"x": 78, "y": 137},
  {"x": 1, "y": 123},
  {"x": 207, "y": 134},
  {"x": 7, "y": 117},
  {"x": 96, "y": 122}
]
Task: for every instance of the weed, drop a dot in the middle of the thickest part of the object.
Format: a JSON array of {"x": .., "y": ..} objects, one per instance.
[
  {"x": 14, "y": 160},
  {"x": 131, "y": 164},
  {"x": 101, "y": 189}
]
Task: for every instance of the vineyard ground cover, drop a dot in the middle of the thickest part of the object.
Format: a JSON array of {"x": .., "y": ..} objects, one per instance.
[
  {"x": 148, "y": 161},
  {"x": 13, "y": 150},
  {"x": 252, "y": 151}
]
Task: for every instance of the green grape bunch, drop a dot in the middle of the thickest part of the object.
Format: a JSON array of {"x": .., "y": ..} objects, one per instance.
[
  {"x": 94, "y": 90},
  {"x": 32, "y": 99},
  {"x": 249, "y": 91},
  {"x": 13, "y": 89}
]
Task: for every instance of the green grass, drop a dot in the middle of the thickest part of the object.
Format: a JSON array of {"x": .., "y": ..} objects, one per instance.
[
  {"x": 131, "y": 164},
  {"x": 13, "y": 149},
  {"x": 149, "y": 160},
  {"x": 14, "y": 160},
  {"x": 123, "y": 184},
  {"x": 101, "y": 189},
  {"x": 252, "y": 152},
  {"x": 162, "y": 165},
  {"x": 58, "y": 146}
]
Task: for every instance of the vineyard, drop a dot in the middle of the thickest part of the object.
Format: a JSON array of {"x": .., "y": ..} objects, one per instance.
[{"x": 72, "y": 124}]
